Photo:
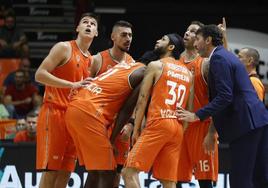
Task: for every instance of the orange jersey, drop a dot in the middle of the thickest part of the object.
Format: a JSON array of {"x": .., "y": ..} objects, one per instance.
[
  {"x": 107, "y": 93},
  {"x": 108, "y": 62},
  {"x": 258, "y": 86},
  {"x": 76, "y": 69},
  {"x": 200, "y": 85},
  {"x": 170, "y": 91},
  {"x": 22, "y": 136}
]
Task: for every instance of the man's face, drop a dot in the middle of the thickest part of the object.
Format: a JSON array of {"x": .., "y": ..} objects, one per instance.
[
  {"x": 122, "y": 38},
  {"x": 19, "y": 78},
  {"x": 161, "y": 45},
  {"x": 201, "y": 45},
  {"x": 10, "y": 22},
  {"x": 21, "y": 124},
  {"x": 190, "y": 36},
  {"x": 31, "y": 124},
  {"x": 242, "y": 55},
  {"x": 88, "y": 27}
]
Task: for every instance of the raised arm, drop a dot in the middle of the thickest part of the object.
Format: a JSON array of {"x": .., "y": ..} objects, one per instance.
[{"x": 223, "y": 29}]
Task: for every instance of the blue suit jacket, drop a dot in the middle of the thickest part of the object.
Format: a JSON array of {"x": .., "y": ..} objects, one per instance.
[{"x": 234, "y": 104}]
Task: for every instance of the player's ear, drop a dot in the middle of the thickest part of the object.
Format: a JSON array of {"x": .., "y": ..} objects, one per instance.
[
  {"x": 208, "y": 40},
  {"x": 171, "y": 47},
  {"x": 113, "y": 36}
]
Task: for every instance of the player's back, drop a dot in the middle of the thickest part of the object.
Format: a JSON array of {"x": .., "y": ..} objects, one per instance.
[
  {"x": 170, "y": 91},
  {"x": 76, "y": 69},
  {"x": 108, "y": 62},
  {"x": 106, "y": 94}
]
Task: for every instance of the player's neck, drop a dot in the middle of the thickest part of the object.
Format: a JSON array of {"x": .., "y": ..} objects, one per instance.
[
  {"x": 117, "y": 55},
  {"x": 189, "y": 55},
  {"x": 83, "y": 46}
]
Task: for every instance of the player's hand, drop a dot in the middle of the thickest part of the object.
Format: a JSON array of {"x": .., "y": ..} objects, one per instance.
[
  {"x": 222, "y": 26},
  {"x": 210, "y": 143},
  {"x": 185, "y": 115},
  {"x": 126, "y": 132},
  {"x": 82, "y": 83}
]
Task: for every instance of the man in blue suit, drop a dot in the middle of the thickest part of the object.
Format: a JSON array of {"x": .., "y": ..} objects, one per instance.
[{"x": 238, "y": 115}]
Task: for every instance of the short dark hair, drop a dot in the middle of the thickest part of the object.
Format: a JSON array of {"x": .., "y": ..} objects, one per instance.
[
  {"x": 195, "y": 22},
  {"x": 92, "y": 15},
  {"x": 31, "y": 114},
  {"x": 176, "y": 40},
  {"x": 211, "y": 31},
  {"x": 122, "y": 23},
  {"x": 252, "y": 52}
]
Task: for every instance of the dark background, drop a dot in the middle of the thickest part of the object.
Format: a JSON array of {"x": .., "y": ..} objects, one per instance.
[{"x": 152, "y": 19}]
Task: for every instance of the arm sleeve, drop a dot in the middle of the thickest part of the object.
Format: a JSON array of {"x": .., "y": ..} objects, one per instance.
[{"x": 221, "y": 71}]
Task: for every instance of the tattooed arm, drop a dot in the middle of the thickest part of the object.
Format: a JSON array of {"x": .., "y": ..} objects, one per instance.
[{"x": 152, "y": 74}]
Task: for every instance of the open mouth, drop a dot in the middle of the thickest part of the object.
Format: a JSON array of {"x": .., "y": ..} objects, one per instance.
[{"x": 88, "y": 30}]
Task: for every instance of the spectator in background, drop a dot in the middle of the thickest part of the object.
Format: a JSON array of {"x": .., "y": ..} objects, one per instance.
[
  {"x": 28, "y": 135},
  {"x": 5, "y": 8},
  {"x": 250, "y": 58},
  {"x": 3, "y": 112},
  {"x": 18, "y": 97},
  {"x": 12, "y": 131},
  {"x": 25, "y": 65},
  {"x": 37, "y": 102},
  {"x": 13, "y": 41}
]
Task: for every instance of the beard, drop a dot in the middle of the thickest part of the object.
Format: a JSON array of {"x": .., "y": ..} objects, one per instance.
[{"x": 160, "y": 51}]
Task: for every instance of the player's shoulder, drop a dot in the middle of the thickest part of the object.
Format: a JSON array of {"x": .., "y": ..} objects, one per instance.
[
  {"x": 62, "y": 45},
  {"x": 155, "y": 65}
]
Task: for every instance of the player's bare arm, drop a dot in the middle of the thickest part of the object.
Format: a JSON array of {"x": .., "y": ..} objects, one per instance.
[
  {"x": 96, "y": 65},
  {"x": 58, "y": 55},
  {"x": 190, "y": 102},
  {"x": 127, "y": 109},
  {"x": 223, "y": 28},
  {"x": 152, "y": 73},
  {"x": 205, "y": 69}
]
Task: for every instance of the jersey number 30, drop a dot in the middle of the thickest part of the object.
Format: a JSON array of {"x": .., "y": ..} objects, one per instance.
[{"x": 177, "y": 95}]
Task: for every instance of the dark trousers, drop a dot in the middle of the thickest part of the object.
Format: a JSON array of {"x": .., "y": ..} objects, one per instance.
[{"x": 249, "y": 160}]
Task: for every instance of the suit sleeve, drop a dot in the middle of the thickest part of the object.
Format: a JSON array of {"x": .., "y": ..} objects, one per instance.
[{"x": 220, "y": 70}]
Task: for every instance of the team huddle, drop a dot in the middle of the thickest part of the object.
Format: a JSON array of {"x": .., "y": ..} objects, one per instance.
[{"x": 119, "y": 116}]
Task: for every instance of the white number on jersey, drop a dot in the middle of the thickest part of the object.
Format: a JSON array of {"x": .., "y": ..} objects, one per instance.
[{"x": 176, "y": 95}]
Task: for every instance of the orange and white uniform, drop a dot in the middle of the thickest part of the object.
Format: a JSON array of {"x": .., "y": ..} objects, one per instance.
[
  {"x": 193, "y": 159},
  {"x": 93, "y": 110},
  {"x": 159, "y": 143},
  {"x": 55, "y": 148},
  {"x": 121, "y": 146}
]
